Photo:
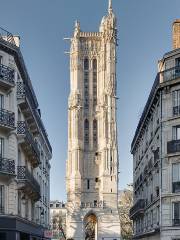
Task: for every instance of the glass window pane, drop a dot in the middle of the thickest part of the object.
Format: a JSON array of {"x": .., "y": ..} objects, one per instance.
[
  {"x": 176, "y": 210},
  {"x": 1, "y": 147},
  {"x": 175, "y": 172},
  {"x": 1, "y": 101},
  {"x": 1, "y": 198},
  {"x": 177, "y": 133}
]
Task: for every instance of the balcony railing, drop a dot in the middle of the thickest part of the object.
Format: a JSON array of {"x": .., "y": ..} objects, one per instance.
[
  {"x": 156, "y": 156},
  {"x": 22, "y": 129},
  {"x": 7, "y": 118},
  {"x": 138, "y": 208},
  {"x": 7, "y": 166},
  {"x": 173, "y": 146},
  {"x": 7, "y": 36},
  {"x": 30, "y": 183},
  {"x": 170, "y": 74},
  {"x": 6, "y": 75},
  {"x": 24, "y": 92},
  {"x": 176, "y": 222}
]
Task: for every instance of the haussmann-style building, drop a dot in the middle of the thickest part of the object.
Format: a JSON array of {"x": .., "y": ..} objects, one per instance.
[
  {"x": 25, "y": 150},
  {"x": 92, "y": 164},
  {"x": 156, "y": 153}
]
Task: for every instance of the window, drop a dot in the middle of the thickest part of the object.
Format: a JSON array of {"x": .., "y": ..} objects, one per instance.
[
  {"x": 96, "y": 179},
  {"x": 94, "y": 82},
  {"x": 88, "y": 184},
  {"x": 158, "y": 215},
  {"x": 1, "y": 147},
  {"x": 177, "y": 68},
  {"x": 176, "y": 213},
  {"x": 176, "y": 102},
  {"x": 1, "y": 101},
  {"x": 86, "y": 133},
  {"x": 26, "y": 209},
  {"x": 95, "y": 133},
  {"x": 2, "y": 198},
  {"x": 95, "y": 203},
  {"x": 176, "y": 177},
  {"x": 86, "y": 83},
  {"x": 19, "y": 203},
  {"x": 151, "y": 218},
  {"x": 176, "y": 132},
  {"x": 32, "y": 211}
]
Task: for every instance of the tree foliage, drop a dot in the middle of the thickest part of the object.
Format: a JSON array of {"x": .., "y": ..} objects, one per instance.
[
  {"x": 125, "y": 203},
  {"x": 59, "y": 224}
]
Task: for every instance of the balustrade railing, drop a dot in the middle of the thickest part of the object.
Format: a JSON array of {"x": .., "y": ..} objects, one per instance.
[
  {"x": 7, "y": 36},
  {"x": 23, "y": 91},
  {"x": 7, "y": 118},
  {"x": 23, "y": 174},
  {"x": 22, "y": 129},
  {"x": 6, "y": 74},
  {"x": 137, "y": 208},
  {"x": 7, "y": 166},
  {"x": 170, "y": 74}
]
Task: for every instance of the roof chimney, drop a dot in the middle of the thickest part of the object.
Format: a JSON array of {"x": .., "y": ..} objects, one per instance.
[{"x": 176, "y": 34}]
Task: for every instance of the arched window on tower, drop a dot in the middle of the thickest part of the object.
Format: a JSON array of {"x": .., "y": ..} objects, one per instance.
[
  {"x": 86, "y": 133},
  {"x": 94, "y": 82},
  {"x": 95, "y": 133},
  {"x": 86, "y": 83}
]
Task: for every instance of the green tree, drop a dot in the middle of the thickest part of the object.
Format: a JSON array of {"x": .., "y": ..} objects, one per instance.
[{"x": 125, "y": 204}]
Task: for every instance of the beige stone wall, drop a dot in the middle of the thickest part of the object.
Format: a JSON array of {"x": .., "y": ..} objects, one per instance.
[{"x": 176, "y": 34}]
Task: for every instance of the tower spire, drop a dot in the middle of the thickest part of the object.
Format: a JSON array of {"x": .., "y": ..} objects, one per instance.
[{"x": 110, "y": 6}]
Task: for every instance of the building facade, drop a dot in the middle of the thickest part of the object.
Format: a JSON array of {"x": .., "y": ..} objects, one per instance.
[
  {"x": 58, "y": 219},
  {"x": 92, "y": 165},
  {"x": 25, "y": 150},
  {"x": 156, "y": 154}
]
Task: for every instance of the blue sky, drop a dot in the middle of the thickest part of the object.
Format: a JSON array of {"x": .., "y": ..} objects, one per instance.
[{"x": 144, "y": 31}]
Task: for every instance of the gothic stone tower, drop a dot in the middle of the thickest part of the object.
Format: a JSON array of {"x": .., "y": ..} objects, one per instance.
[{"x": 92, "y": 165}]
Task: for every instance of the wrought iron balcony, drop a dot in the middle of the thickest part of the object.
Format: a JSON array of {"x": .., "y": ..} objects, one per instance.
[
  {"x": 6, "y": 77},
  {"x": 7, "y": 166},
  {"x": 7, "y": 36},
  {"x": 7, "y": 119},
  {"x": 24, "y": 93},
  {"x": 156, "y": 156},
  {"x": 28, "y": 143},
  {"x": 29, "y": 107},
  {"x": 137, "y": 209},
  {"x": 176, "y": 222},
  {"x": 173, "y": 146},
  {"x": 28, "y": 183},
  {"x": 170, "y": 74}
]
